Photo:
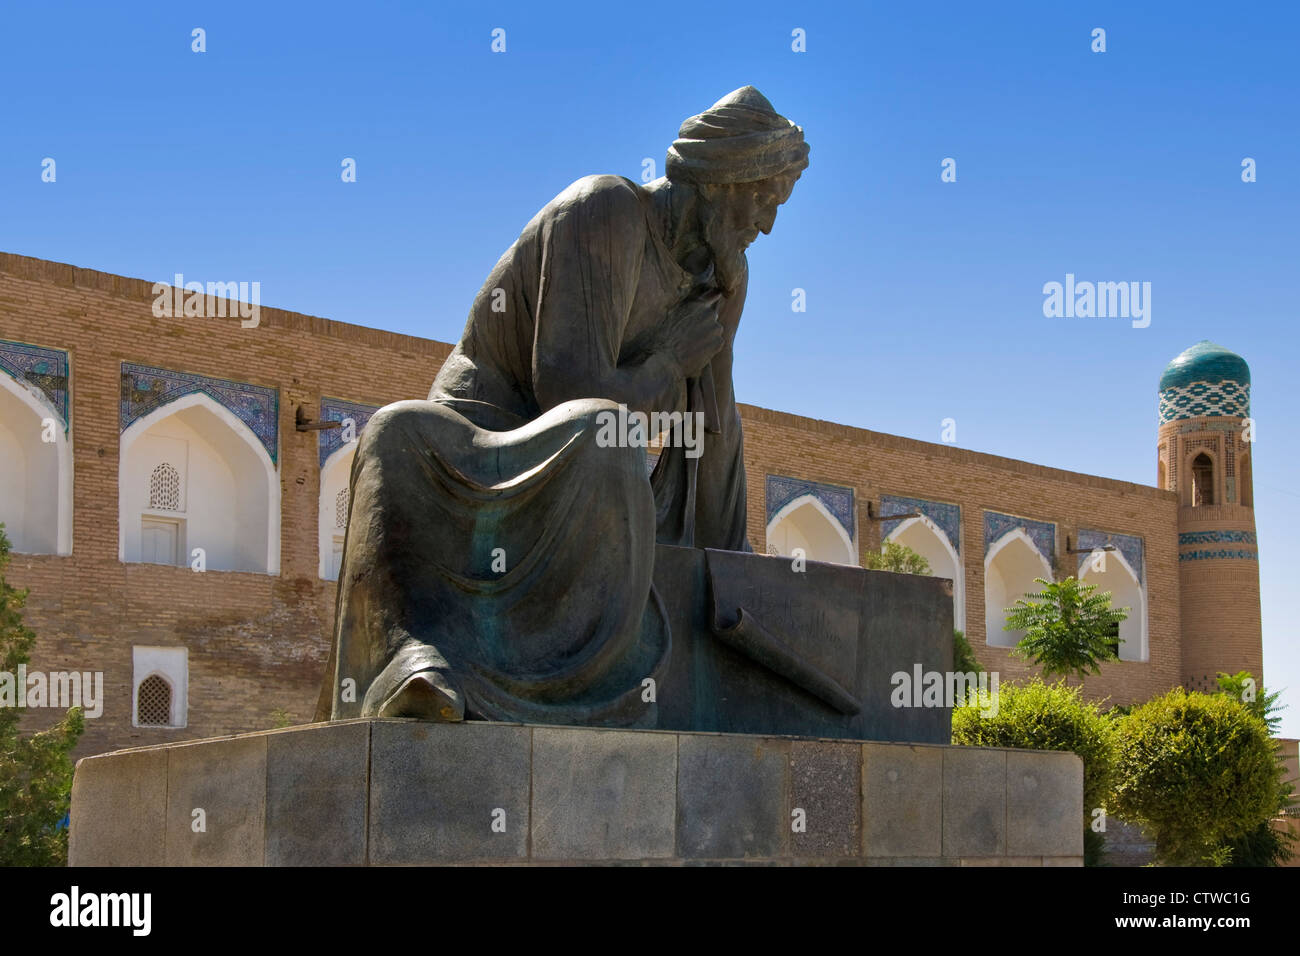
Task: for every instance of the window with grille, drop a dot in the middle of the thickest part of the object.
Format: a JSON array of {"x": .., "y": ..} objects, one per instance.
[
  {"x": 165, "y": 488},
  {"x": 341, "y": 509},
  {"x": 154, "y": 702}
]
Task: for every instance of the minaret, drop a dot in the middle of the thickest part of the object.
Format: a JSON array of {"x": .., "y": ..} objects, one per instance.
[{"x": 1205, "y": 452}]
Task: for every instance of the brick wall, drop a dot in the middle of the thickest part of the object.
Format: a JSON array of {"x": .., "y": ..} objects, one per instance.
[
  {"x": 875, "y": 464},
  {"x": 256, "y": 642}
]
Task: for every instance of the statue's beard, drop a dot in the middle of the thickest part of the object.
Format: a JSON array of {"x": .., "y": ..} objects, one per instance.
[{"x": 728, "y": 252}]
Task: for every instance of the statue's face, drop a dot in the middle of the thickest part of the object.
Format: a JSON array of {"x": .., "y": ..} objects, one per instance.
[
  {"x": 746, "y": 209},
  {"x": 734, "y": 216}
]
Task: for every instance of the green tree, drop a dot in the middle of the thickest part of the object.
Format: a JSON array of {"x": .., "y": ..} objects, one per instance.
[
  {"x": 897, "y": 557},
  {"x": 1266, "y": 844},
  {"x": 1041, "y": 716},
  {"x": 1242, "y": 686},
  {"x": 1069, "y": 629},
  {"x": 35, "y": 771},
  {"x": 1197, "y": 772}
]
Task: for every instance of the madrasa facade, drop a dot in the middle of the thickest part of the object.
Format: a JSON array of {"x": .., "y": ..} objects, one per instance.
[{"x": 175, "y": 491}]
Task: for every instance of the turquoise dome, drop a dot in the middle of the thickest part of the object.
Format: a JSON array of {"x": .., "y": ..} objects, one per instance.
[
  {"x": 1205, "y": 362},
  {"x": 1206, "y": 380}
]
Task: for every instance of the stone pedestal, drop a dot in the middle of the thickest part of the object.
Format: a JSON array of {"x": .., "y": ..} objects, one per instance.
[{"x": 388, "y": 792}]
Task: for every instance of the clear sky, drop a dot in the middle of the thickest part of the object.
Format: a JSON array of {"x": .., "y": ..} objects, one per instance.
[{"x": 924, "y": 298}]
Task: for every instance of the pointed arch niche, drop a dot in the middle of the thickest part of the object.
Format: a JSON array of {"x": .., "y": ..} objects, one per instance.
[
  {"x": 193, "y": 475},
  {"x": 927, "y": 539},
  {"x": 35, "y": 464},
  {"x": 332, "y": 512},
  {"x": 337, "y": 449},
  {"x": 817, "y": 518},
  {"x": 1011, "y": 565},
  {"x": 807, "y": 524},
  {"x": 1111, "y": 571}
]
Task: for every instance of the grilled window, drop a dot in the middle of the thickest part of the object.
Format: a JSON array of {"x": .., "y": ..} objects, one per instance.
[
  {"x": 165, "y": 488},
  {"x": 154, "y": 702}
]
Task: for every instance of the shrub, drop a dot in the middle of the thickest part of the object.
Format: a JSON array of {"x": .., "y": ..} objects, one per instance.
[
  {"x": 1267, "y": 844},
  {"x": 1196, "y": 771},
  {"x": 893, "y": 556}
]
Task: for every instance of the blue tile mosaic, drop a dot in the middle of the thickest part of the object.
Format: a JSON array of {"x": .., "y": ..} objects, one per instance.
[
  {"x": 1128, "y": 545},
  {"x": 1042, "y": 533},
  {"x": 1228, "y": 399},
  {"x": 837, "y": 500},
  {"x": 338, "y": 410},
  {"x": 1217, "y": 537},
  {"x": 1222, "y": 553},
  {"x": 44, "y": 369},
  {"x": 947, "y": 517},
  {"x": 145, "y": 389}
]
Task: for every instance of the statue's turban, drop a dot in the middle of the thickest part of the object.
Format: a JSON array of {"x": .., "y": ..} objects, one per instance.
[{"x": 739, "y": 139}]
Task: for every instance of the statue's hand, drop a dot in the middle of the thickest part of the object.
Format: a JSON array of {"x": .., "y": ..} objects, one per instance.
[{"x": 692, "y": 334}]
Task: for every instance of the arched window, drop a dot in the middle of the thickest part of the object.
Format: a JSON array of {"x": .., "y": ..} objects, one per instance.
[
  {"x": 154, "y": 702},
  {"x": 165, "y": 488},
  {"x": 1202, "y": 480},
  {"x": 1161, "y": 481},
  {"x": 1245, "y": 493},
  {"x": 341, "y": 509}
]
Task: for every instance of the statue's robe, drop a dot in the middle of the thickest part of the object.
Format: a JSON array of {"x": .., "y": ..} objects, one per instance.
[{"x": 491, "y": 540}]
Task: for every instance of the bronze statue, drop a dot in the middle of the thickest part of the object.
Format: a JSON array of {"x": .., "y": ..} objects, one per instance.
[{"x": 499, "y": 556}]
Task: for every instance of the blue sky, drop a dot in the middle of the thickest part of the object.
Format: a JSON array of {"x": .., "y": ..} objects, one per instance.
[{"x": 924, "y": 298}]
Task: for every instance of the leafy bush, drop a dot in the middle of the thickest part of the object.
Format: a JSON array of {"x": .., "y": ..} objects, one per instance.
[
  {"x": 1266, "y": 845},
  {"x": 893, "y": 556},
  {"x": 1196, "y": 771},
  {"x": 1041, "y": 716}
]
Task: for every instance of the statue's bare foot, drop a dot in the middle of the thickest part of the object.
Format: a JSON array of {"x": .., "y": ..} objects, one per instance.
[{"x": 425, "y": 695}]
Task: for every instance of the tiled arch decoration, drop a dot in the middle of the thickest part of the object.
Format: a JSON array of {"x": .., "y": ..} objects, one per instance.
[
  {"x": 43, "y": 369},
  {"x": 1128, "y": 545},
  {"x": 146, "y": 388},
  {"x": 945, "y": 516},
  {"x": 338, "y": 410},
  {"x": 1041, "y": 533},
  {"x": 837, "y": 499}
]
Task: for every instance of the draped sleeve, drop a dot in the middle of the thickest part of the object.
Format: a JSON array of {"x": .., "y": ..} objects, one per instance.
[{"x": 591, "y": 249}]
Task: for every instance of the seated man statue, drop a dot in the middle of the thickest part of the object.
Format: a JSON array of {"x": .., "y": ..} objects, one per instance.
[{"x": 500, "y": 546}]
